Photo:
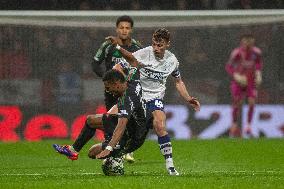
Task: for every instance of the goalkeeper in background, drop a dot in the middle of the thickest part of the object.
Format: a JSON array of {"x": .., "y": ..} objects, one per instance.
[
  {"x": 110, "y": 56},
  {"x": 244, "y": 67}
]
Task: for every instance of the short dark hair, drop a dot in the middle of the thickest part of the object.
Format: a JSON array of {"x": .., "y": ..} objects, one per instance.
[
  {"x": 162, "y": 33},
  {"x": 113, "y": 76},
  {"x": 125, "y": 18}
]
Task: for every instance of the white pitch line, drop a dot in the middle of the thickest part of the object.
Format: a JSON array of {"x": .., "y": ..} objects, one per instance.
[
  {"x": 192, "y": 173},
  {"x": 44, "y": 174}
]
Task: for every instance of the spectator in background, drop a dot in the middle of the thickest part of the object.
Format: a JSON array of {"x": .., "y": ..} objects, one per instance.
[
  {"x": 240, "y": 4},
  {"x": 69, "y": 84},
  {"x": 244, "y": 67},
  {"x": 135, "y": 5},
  {"x": 14, "y": 60},
  {"x": 64, "y": 46},
  {"x": 85, "y": 5},
  {"x": 42, "y": 55},
  {"x": 84, "y": 49},
  {"x": 197, "y": 57}
]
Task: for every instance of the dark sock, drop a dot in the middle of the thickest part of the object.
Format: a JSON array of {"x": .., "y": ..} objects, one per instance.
[{"x": 85, "y": 135}]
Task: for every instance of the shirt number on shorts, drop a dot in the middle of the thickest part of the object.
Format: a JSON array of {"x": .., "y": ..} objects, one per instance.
[{"x": 159, "y": 104}]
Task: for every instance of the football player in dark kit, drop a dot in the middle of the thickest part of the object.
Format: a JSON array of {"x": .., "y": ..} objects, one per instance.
[
  {"x": 108, "y": 54},
  {"x": 129, "y": 119}
]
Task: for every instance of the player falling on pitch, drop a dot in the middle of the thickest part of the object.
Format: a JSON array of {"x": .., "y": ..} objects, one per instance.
[
  {"x": 155, "y": 64},
  {"x": 110, "y": 56},
  {"x": 244, "y": 67},
  {"x": 126, "y": 125}
]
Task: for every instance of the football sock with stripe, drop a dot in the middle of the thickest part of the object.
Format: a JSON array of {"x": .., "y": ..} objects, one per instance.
[{"x": 166, "y": 149}]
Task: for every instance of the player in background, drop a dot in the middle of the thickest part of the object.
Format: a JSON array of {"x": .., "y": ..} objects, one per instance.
[
  {"x": 244, "y": 67},
  {"x": 155, "y": 64},
  {"x": 129, "y": 114},
  {"x": 108, "y": 54}
]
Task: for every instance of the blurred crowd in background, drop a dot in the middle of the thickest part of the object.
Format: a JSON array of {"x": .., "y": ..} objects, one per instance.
[
  {"x": 139, "y": 4},
  {"x": 47, "y": 68},
  {"x": 61, "y": 59}
]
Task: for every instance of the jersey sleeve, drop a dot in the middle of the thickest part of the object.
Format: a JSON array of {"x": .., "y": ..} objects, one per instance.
[
  {"x": 137, "y": 44},
  {"x": 100, "y": 54},
  {"x": 258, "y": 61},
  {"x": 98, "y": 59},
  {"x": 232, "y": 62},
  {"x": 176, "y": 72}
]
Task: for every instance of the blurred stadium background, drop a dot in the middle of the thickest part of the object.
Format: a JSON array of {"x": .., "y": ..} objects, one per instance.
[{"x": 47, "y": 85}]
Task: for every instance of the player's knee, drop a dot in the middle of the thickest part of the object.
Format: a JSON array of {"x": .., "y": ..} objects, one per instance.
[
  {"x": 94, "y": 121},
  {"x": 94, "y": 151},
  {"x": 92, "y": 155}
]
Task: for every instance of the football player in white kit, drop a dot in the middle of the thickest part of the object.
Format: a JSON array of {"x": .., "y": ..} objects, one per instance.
[{"x": 155, "y": 64}]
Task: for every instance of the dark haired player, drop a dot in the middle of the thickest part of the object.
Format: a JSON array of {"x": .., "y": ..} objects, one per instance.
[
  {"x": 128, "y": 118},
  {"x": 108, "y": 54},
  {"x": 244, "y": 67},
  {"x": 155, "y": 64}
]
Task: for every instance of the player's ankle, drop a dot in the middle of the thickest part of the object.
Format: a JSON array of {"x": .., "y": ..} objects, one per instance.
[{"x": 72, "y": 149}]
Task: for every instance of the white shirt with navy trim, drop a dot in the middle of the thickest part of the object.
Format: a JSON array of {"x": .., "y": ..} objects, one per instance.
[{"x": 154, "y": 75}]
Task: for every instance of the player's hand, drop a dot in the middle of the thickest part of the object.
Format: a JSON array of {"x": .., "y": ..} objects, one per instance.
[
  {"x": 258, "y": 78},
  {"x": 194, "y": 103},
  {"x": 240, "y": 79},
  {"x": 103, "y": 154},
  {"x": 114, "y": 40}
]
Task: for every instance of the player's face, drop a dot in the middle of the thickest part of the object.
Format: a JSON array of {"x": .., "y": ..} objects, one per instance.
[
  {"x": 159, "y": 47},
  {"x": 248, "y": 43},
  {"x": 116, "y": 88},
  {"x": 124, "y": 30}
]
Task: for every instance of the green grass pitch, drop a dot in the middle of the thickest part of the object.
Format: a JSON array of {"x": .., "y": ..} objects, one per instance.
[{"x": 221, "y": 163}]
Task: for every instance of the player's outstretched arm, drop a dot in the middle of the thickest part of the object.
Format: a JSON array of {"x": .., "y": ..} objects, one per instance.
[
  {"x": 117, "y": 134},
  {"x": 184, "y": 93},
  {"x": 126, "y": 54}
]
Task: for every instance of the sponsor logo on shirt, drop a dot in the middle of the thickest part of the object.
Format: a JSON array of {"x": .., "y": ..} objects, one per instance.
[{"x": 154, "y": 74}]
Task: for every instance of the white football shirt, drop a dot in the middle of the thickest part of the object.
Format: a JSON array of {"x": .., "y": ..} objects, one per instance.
[{"x": 153, "y": 76}]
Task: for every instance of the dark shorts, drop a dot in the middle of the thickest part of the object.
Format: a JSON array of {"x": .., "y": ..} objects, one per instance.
[{"x": 133, "y": 137}]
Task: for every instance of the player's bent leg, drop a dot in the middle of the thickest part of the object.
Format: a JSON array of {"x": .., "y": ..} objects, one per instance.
[
  {"x": 92, "y": 123},
  {"x": 159, "y": 124},
  {"x": 95, "y": 121},
  {"x": 95, "y": 150}
]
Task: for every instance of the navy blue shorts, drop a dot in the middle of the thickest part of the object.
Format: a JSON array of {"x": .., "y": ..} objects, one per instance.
[{"x": 156, "y": 104}]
